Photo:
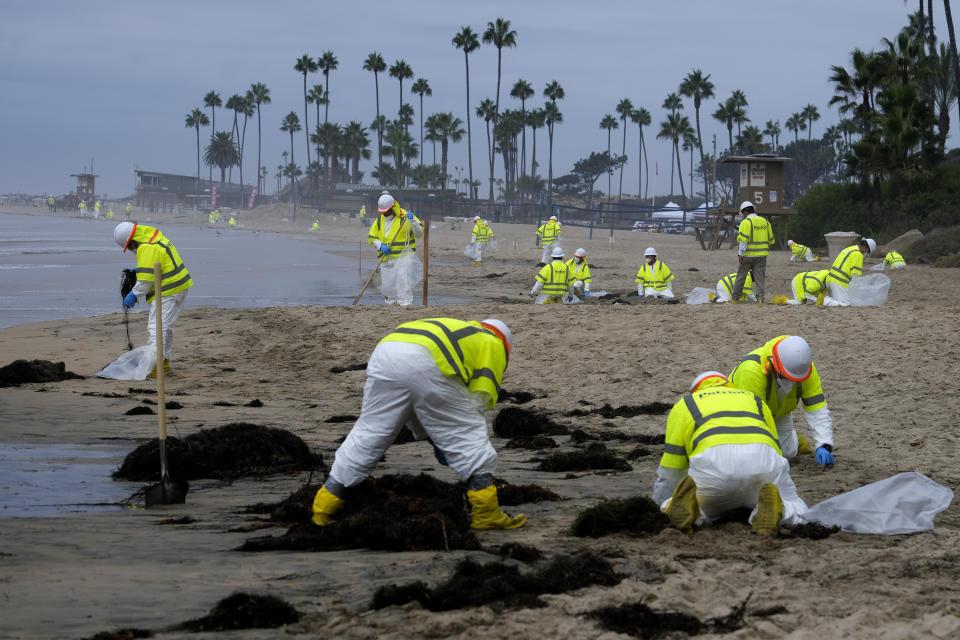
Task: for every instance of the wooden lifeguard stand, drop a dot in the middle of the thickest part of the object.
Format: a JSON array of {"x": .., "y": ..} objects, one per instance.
[
  {"x": 86, "y": 190},
  {"x": 761, "y": 182}
]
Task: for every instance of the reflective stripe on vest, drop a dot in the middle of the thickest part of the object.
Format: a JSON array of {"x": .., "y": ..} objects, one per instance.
[
  {"x": 838, "y": 273},
  {"x": 760, "y": 238},
  {"x": 556, "y": 283},
  {"x": 705, "y": 426}
]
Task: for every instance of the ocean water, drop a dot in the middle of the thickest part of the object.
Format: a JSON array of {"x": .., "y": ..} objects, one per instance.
[{"x": 58, "y": 268}]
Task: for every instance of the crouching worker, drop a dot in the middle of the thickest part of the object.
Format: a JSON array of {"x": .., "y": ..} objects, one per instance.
[
  {"x": 437, "y": 376},
  {"x": 722, "y": 453}
]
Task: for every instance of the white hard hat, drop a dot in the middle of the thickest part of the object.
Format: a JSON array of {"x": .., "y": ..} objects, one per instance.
[
  {"x": 580, "y": 253},
  {"x": 123, "y": 233},
  {"x": 553, "y": 217},
  {"x": 557, "y": 252},
  {"x": 789, "y": 243},
  {"x": 708, "y": 379},
  {"x": 745, "y": 204},
  {"x": 385, "y": 203},
  {"x": 792, "y": 358},
  {"x": 871, "y": 244},
  {"x": 475, "y": 218},
  {"x": 501, "y": 330},
  {"x": 649, "y": 252}
]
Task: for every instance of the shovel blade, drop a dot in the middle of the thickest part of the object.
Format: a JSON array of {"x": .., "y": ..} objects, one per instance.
[{"x": 166, "y": 491}]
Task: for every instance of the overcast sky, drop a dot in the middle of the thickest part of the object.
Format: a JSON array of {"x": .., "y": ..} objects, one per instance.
[{"x": 113, "y": 81}]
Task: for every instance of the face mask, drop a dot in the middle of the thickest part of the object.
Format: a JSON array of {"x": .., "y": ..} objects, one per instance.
[{"x": 784, "y": 385}]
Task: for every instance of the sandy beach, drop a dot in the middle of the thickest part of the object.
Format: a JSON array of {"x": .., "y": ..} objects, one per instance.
[{"x": 887, "y": 374}]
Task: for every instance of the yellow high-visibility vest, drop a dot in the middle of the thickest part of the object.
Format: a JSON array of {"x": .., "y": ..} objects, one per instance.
[
  {"x": 397, "y": 233},
  {"x": 481, "y": 232},
  {"x": 758, "y": 234},
  {"x": 726, "y": 283},
  {"x": 656, "y": 277},
  {"x": 154, "y": 247},
  {"x": 893, "y": 257},
  {"x": 549, "y": 232},
  {"x": 755, "y": 374},
  {"x": 847, "y": 266},
  {"x": 555, "y": 278},
  {"x": 809, "y": 283},
  {"x": 578, "y": 271}
]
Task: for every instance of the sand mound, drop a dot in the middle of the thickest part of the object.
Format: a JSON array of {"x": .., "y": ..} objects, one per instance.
[{"x": 22, "y": 371}]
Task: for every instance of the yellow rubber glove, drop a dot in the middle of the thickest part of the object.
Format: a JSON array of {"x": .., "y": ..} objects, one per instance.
[
  {"x": 325, "y": 506},
  {"x": 487, "y": 513}
]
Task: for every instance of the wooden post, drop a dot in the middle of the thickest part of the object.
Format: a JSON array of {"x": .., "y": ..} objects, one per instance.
[
  {"x": 426, "y": 261},
  {"x": 360, "y": 259}
]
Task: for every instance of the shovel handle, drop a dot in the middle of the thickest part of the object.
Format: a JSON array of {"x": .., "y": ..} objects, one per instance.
[{"x": 161, "y": 395}]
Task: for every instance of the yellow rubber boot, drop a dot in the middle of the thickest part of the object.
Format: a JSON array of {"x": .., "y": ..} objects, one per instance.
[
  {"x": 803, "y": 447},
  {"x": 820, "y": 297},
  {"x": 684, "y": 509},
  {"x": 487, "y": 513},
  {"x": 769, "y": 510},
  {"x": 166, "y": 368},
  {"x": 325, "y": 506}
]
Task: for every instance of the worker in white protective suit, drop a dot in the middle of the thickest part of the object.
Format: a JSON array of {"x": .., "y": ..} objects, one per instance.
[
  {"x": 654, "y": 277},
  {"x": 552, "y": 281},
  {"x": 549, "y": 236},
  {"x": 800, "y": 253},
  {"x": 783, "y": 374},
  {"x": 579, "y": 274},
  {"x": 724, "y": 291},
  {"x": 480, "y": 238},
  {"x": 847, "y": 266},
  {"x": 721, "y": 453},
  {"x": 436, "y": 376},
  {"x": 394, "y": 235}
]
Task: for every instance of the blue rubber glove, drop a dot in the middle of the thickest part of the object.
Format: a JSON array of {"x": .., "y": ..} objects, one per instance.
[
  {"x": 640, "y": 297},
  {"x": 824, "y": 457},
  {"x": 442, "y": 459},
  {"x": 385, "y": 249},
  {"x": 586, "y": 294},
  {"x": 130, "y": 300},
  {"x": 409, "y": 215}
]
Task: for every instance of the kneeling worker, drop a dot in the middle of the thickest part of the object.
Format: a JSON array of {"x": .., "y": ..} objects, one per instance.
[
  {"x": 809, "y": 286},
  {"x": 579, "y": 272},
  {"x": 725, "y": 289},
  {"x": 782, "y": 373},
  {"x": 800, "y": 253},
  {"x": 553, "y": 279},
  {"x": 894, "y": 260},
  {"x": 433, "y": 375},
  {"x": 721, "y": 453}
]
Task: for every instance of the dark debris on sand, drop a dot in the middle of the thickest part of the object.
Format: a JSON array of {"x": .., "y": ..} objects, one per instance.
[
  {"x": 518, "y": 551},
  {"x": 511, "y": 495},
  {"x": 139, "y": 411},
  {"x": 640, "y": 621},
  {"x": 502, "y": 587},
  {"x": 244, "y": 611},
  {"x": 808, "y": 530},
  {"x": 624, "y": 411},
  {"x": 595, "y": 458},
  {"x": 637, "y": 516},
  {"x": 531, "y": 442},
  {"x": 229, "y": 452},
  {"x": 25, "y": 371},
  {"x": 349, "y": 367},
  {"x": 516, "y": 397},
  {"x": 514, "y": 422}
]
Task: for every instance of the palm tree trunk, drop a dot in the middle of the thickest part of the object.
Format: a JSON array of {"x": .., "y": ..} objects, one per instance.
[
  {"x": 213, "y": 128},
  {"x": 550, "y": 170},
  {"x": 676, "y": 149},
  {"x": 730, "y": 134},
  {"x": 490, "y": 156},
  {"x": 953, "y": 45},
  {"x": 533, "y": 155},
  {"x": 197, "y": 199},
  {"x": 646, "y": 165},
  {"x": 473, "y": 193},
  {"x": 699, "y": 136},
  {"x": 640, "y": 164},
  {"x": 672, "y": 155},
  {"x": 306, "y": 123},
  {"x": 623, "y": 153},
  {"x": 260, "y": 187},
  {"x": 444, "y": 145},
  {"x": 376, "y": 84}
]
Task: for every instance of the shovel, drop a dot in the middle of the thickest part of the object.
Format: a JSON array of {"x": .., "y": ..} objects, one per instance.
[{"x": 167, "y": 491}]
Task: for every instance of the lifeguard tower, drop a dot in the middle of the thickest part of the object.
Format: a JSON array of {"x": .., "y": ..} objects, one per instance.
[
  {"x": 761, "y": 182},
  {"x": 86, "y": 190}
]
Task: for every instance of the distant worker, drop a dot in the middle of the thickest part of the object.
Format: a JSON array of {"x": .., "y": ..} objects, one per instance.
[
  {"x": 51, "y": 204},
  {"x": 809, "y": 286},
  {"x": 552, "y": 280},
  {"x": 151, "y": 247},
  {"x": 315, "y": 226},
  {"x": 437, "y": 376},
  {"x": 549, "y": 235},
  {"x": 846, "y": 266},
  {"x": 96, "y": 209},
  {"x": 480, "y": 238},
  {"x": 127, "y": 211},
  {"x": 83, "y": 208},
  {"x": 654, "y": 277},
  {"x": 782, "y": 373},
  {"x": 110, "y": 214},
  {"x": 721, "y": 453},
  {"x": 894, "y": 260},
  {"x": 363, "y": 210},
  {"x": 233, "y": 221},
  {"x": 579, "y": 272},
  {"x": 755, "y": 236},
  {"x": 800, "y": 253},
  {"x": 725, "y": 289},
  {"x": 394, "y": 234}
]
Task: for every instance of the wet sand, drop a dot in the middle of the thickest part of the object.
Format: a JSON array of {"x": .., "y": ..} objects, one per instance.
[{"x": 889, "y": 375}]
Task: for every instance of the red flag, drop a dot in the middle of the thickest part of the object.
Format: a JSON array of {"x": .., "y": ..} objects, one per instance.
[{"x": 253, "y": 196}]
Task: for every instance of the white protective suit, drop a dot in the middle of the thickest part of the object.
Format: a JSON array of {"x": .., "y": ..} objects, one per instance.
[
  {"x": 729, "y": 476},
  {"x": 405, "y": 386}
]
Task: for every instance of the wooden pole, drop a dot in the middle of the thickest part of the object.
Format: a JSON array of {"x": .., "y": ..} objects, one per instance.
[{"x": 426, "y": 261}]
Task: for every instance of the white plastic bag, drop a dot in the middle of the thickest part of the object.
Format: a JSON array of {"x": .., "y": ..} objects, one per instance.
[
  {"x": 904, "y": 503},
  {"x": 877, "y": 267},
  {"x": 471, "y": 250},
  {"x": 398, "y": 277},
  {"x": 493, "y": 243},
  {"x": 869, "y": 291},
  {"x": 699, "y": 295},
  {"x": 133, "y": 365}
]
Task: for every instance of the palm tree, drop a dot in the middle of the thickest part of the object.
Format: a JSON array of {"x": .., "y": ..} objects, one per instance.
[
  {"x": 357, "y": 141},
  {"x": 796, "y": 123},
  {"x": 449, "y": 128},
  {"x": 261, "y": 95},
  {"x": 291, "y": 124},
  {"x": 245, "y": 107},
  {"x": 432, "y": 133},
  {"x": 697, "y": 86},
  {"x": 810, "y": 114},
  {"x": 522, "y": 91},
  {"x": 552, "y": 116},
  {"x": 401, "y": 71},
  {"x": 317, "y": 97},
  {"x": 421, "y": 87},
  {"x": 467, "y": 40},
  {"x": 674, "y": 104},
  {"x": 305, "y": 64},
  {"x": 536, "y": 118},
  {"x": 500, "y": 35},
  {"x": 624, "y": 108},
  {"x": 772, "y": 129},
  {"x": 609, "y": 123},
  {"x": 235, "y": 104},
  {"x": 740, "y": 100},
  {"x": 326, "y": 138},
  {"x": 221, "y": 152},
  {"x": 327, "y": 63},
  {"x": 195, "y": 120},
  {"x": 212, "y": 100},
  {"x": 641, "y": 118},
  {"x": 953, "y": 46},
  {"x": 673, "y": 129},
  {"x": 727, "y": 113},
  {"x": 376, "y": 64},
  {"x": 487, "y": 111},
  {"x": 751, "y": 140},
  {"x": 401, "y": 146}
]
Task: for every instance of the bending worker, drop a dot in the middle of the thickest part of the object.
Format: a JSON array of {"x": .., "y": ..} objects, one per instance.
[
  {"x": 721, "y": 453},
  {"x": 725, "y": 289},
  {"x": 846, "y": 266},
  {"x": 394, "y": 234},
  {"x": 151, "y": 247},
  {"x": 553, "y": 279},
  {"x": 480, "y": 238},
  {"x": 436, "y": 376},
  {"x": 579, "y": 272},
  {"x": 809, "y": 286},
  {"x": 800, "y": 253},
  {"x": 549, "y": 235},
  {"x": 894, "y": 260},
  {"x": 782, "y": 373},
  {"x": 654, "y": 277},
  {"x": 755, "y": 236}
]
